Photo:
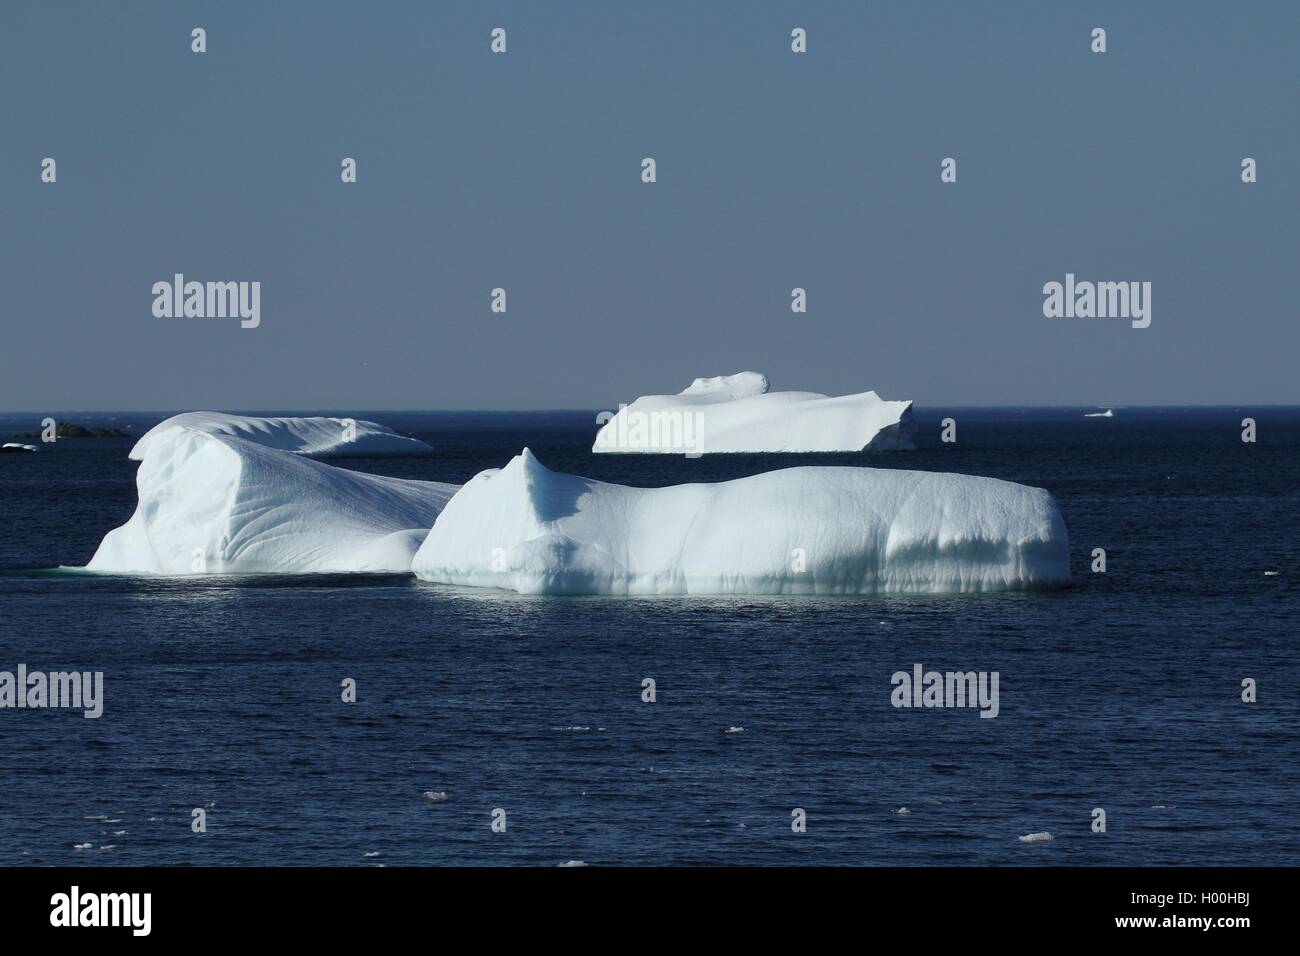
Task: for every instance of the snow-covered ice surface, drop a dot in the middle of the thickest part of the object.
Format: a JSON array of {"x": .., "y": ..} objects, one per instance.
[
  {"x": 810, "y": 530},
  {"x": 728, "y": 388},
  {"x": 737, "y": 413},
  {"x": 310, "y": 437},
  {"x": 211, "y": 502}
]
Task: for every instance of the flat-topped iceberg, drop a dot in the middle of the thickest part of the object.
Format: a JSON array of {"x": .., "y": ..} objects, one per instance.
[
  {"x": 212, "y": 502},
  {"x": 310, "y": 437},
  {"x": 811, "y": 530},
  {"x": 737, "y": 413}
]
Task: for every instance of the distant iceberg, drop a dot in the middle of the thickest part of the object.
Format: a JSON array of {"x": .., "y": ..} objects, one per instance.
[
  {"x": 1108, "y": 413},
  {"x": 810, "y": 530},
  {"x": 737, "y": 413},
  {"x": 13, "y": 447},
  {"x": 213, "y": 502},
  {"x": 309, "y": 437}
]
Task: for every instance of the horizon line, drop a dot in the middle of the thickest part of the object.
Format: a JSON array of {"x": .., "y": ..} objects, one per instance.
[{"x": 318, "y": 410}]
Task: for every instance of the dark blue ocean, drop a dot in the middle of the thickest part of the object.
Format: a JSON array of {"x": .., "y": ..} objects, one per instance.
[{"x": 1122, "y": 692}]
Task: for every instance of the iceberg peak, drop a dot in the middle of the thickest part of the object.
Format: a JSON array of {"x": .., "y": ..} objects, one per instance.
[{"x": 729, "y": 387}]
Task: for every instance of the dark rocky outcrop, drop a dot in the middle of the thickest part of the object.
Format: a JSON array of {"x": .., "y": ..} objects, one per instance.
[{"x": 73, "y": 430}]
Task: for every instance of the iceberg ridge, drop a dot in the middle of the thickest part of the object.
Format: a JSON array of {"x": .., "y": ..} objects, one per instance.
[
  {"x": 313, "y": 437},
  {"x": 809, "y": 530}
]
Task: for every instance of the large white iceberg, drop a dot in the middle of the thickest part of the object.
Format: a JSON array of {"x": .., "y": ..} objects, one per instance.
[
  {"x": 309, "y": 437},
  {"x": 811, "y": 530},
  {"x": 737, "y": 413},
  {"x": 213, "y": 502}
]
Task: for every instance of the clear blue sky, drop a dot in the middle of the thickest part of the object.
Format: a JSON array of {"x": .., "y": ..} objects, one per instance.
[{"x": 522, "y": 170}]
